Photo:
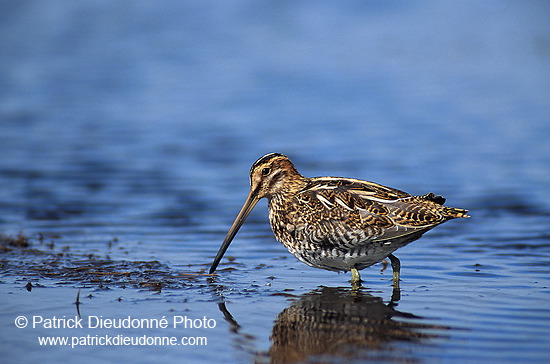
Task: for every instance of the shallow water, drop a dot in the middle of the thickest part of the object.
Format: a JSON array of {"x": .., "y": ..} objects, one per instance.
[{"x": 128, "y": 129}]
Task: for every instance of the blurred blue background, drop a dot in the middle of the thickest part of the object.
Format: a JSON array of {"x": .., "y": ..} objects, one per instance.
[{"x": 393, "y": 87}]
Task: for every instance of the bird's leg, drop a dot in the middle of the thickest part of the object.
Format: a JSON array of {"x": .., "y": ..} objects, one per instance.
[
  {"x": 396, "y": 268},
  {"x": 355, "y": 278},
  {"x": 384, "y": 265}
]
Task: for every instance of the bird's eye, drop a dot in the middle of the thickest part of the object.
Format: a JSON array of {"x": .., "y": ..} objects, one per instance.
[{"x": 265, "y": 171}]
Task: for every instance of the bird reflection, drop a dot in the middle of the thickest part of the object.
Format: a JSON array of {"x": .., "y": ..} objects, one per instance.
[
  {"x": 337, "y": 322},
  {"x": 340, "y": 323}
]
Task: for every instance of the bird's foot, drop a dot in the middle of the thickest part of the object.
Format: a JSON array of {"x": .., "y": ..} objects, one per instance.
[{"x": 395, "y": 295}]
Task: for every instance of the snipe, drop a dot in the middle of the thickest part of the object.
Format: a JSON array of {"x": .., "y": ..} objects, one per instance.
[{"x": 338, "y": 224}]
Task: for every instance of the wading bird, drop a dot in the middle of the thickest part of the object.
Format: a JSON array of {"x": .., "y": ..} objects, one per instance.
[{"x": 338, "y": 224}]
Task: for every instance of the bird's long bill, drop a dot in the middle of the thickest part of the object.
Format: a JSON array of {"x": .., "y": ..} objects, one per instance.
[{"x": 249, "y": 204}]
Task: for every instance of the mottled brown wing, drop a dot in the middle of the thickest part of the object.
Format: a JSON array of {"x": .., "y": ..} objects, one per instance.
[{"x": 346, "y": 213}]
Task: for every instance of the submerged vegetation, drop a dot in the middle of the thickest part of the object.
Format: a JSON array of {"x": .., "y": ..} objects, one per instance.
[{"x": 32, "y": 262}]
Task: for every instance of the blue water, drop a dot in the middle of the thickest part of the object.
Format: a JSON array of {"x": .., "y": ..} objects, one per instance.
[{"x": 127, "y": 130}]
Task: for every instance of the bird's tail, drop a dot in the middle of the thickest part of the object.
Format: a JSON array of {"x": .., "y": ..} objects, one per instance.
[
  {"x": 453, "y": 213},
  {"x": 449, "y": 212}
]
